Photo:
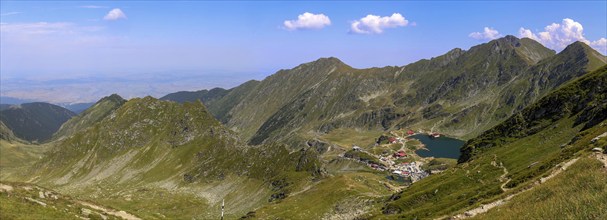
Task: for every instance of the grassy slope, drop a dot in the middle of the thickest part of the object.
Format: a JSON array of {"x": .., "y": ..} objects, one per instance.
[
  {"x": 579, "y": 192},
  {"x": 220, "y": 108},
  {"x": 479, "y": 181},
  {"x": 150, "y": 149},
  {"x": 8, "y": 135},
  {"x": 468, "y": 93},
  {"x": 346, "y": 195},
  {"x": 204, "y": 96},
  {"x": 527, "y": 157},
  {"x": 16, "y": 157},
  {"x": 145, "y": 134},
  {"x": 584, "y": 98},
  {"x": 13, "y": 204},
  {"x": 511, "y": 86},
  {"x": 346, "y": 138},
  {"x": 279, "y": 95},
  {"x": 91, "y": 165},
  {"x": 35, "y": 121},
  {"x": 90, "y": 116}
]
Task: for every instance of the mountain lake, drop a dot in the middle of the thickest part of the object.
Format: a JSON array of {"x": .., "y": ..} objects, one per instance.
[{"x": 444, "y": 147}]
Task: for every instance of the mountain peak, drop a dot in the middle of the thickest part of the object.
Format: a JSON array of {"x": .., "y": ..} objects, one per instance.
[
  {"x": 114, "y": 98},
  {"x": 579, "y": 49},
  {"x": 102, "y": 108},
  {"x": 578, "y": 45},
  {"x": 499, "y": 45},
  {"x": 448, "y": 57},
  {"x": 454, "y": 53},
  {"x": 328, "y": 61},
  {"x": 509, "y": 40},
  {"x": 526, "y": 50},
  {"x": 529, "y": 50}
]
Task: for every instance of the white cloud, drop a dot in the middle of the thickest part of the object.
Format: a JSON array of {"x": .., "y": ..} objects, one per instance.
[
  {"x": 373, "y": 24},
  {"x": 487, "y": 34},
  {"x": 558, "y": 36},
  {"x": 114, "y": 14},
  {"x": 600, "y": 45},
  {"x": 522, "y": 32},
  {"x": 308, "y": 21}
]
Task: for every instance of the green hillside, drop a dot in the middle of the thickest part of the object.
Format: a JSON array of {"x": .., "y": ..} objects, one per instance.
[
  {"x": 90, "y": 116},
  {"x": 149, "y": 147},
  {"x": 283, "y": 147},
  {"x": 27, "y": 201},
  {"x": 205, "y": 96},
  {"x": 586, "y": 99},
  {"x": 218, "y": 101},
  {"x": 512, "y": 156},
  {"x": 461, "y": 93},
  {"x": 17, "y": 157},
  {"x": 578, "y": 193},
  {"x": 6, "y": 134},
  {"x": 221, "y": 107},
  {"x": 35, "y": 121}
]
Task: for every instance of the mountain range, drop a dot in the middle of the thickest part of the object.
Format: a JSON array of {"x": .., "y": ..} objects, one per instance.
[
  {"x": 275, "y": 148},
  {"x": 169, "y": 146},
  {"x": 35, "y": 121},
  {"x": 461, "y": 93}
]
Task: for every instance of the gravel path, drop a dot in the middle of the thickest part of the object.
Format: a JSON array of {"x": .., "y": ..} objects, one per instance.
[{"x": 486, "y": 207}]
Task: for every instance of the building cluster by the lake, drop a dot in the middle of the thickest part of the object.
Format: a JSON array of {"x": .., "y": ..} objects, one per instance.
[
  {"x": 398, "y": 163},
  {"x": 412, "y": 169},
  {"x": 399, "y": 155}
]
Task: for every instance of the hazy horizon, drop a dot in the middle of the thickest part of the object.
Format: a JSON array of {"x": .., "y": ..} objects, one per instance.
[{"x": 64, "y": 52}]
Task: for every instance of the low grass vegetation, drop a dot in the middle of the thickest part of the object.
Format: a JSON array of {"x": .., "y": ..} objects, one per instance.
[
  {"x": 580, "y": 192},
  {"x": 343, "y": 195},
  {"x": 346, "y": 138},
  {"x": 478, "y": 181},
  {"x": 26, "y": 201},
  {"x": 16, "y": 157}
]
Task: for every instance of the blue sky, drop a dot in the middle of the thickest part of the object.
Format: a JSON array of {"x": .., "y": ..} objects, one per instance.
[{"x": 209, "y": 44}]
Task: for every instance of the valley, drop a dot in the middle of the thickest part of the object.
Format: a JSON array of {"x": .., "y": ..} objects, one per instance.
[{"x": 506, "y": 123}]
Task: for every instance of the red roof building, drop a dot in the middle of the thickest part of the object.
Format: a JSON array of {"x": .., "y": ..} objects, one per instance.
[
  {"x": 392, "y": 140},
  {"x": 400, "y": 154},
  {"x": 410, "y": 132}
]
